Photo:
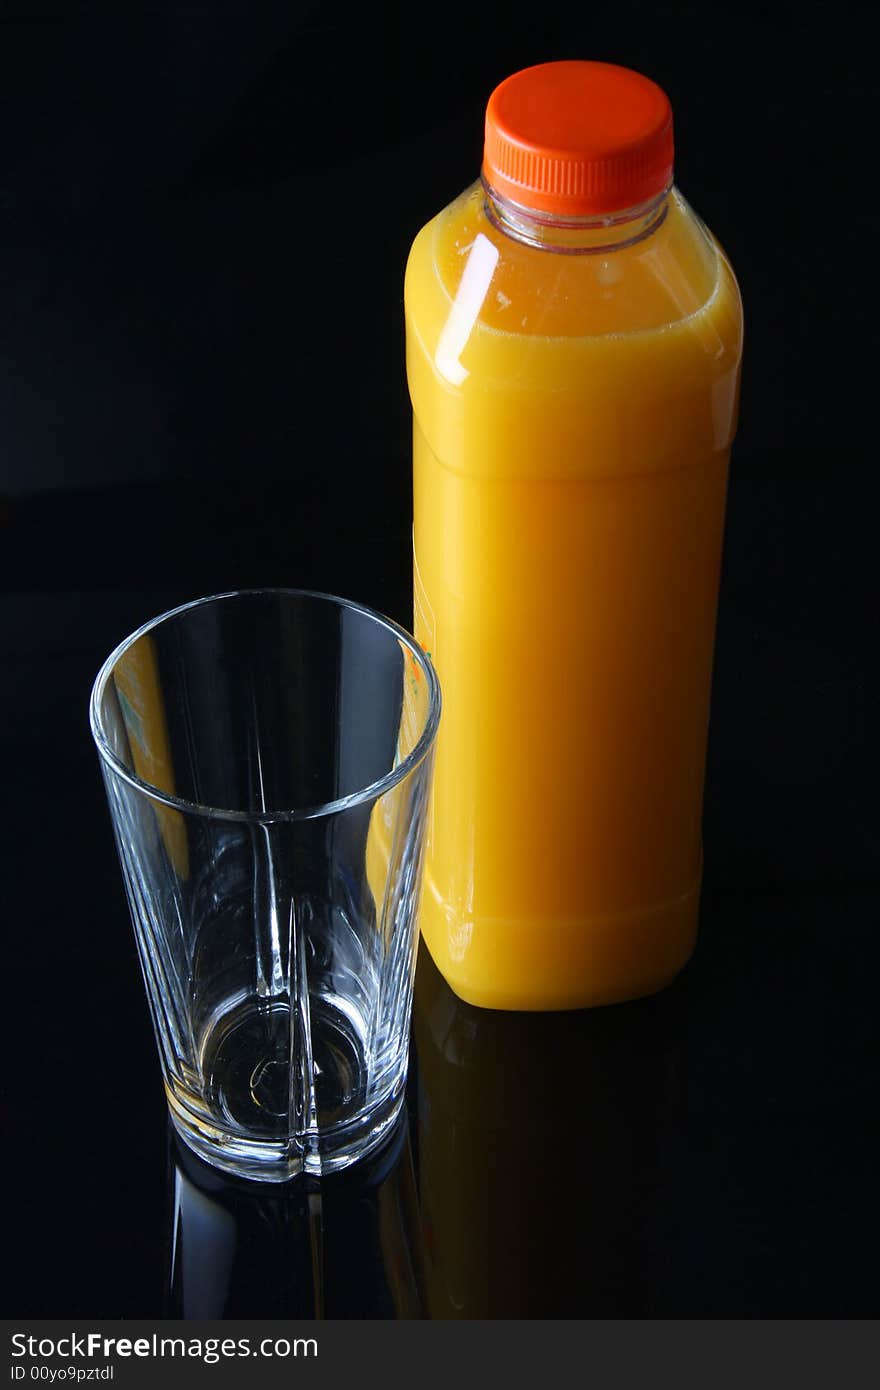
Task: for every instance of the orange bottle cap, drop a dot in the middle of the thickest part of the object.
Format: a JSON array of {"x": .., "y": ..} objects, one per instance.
[{"x": 578, "y": 138}]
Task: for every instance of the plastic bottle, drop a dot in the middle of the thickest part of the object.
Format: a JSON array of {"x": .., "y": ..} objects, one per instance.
[{"x": 574, "y": 336}]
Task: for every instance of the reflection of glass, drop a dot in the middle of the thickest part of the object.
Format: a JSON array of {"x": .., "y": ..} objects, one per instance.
[
  {"x": 267, "y": 758},
  {"x": 539, "y": 1154},
  {"x": 344, "y": 1247}
]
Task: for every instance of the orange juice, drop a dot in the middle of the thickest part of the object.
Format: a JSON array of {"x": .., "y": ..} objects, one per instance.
[{"x": 574, "y": 381}]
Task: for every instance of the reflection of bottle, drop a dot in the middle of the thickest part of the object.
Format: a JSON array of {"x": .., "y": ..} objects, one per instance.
[
  {"x": 346, "y": 1246},
  {"x": 539, "y": 1155},
  {"x": 573, "y": 346},
  {"x": 138, "y": 687}
]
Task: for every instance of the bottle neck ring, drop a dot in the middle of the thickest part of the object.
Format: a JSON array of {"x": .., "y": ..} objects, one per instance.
[{"x": 598, "y": 232}]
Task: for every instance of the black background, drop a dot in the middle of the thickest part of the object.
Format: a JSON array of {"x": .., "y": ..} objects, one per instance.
[{"x": 205, "y": 211}]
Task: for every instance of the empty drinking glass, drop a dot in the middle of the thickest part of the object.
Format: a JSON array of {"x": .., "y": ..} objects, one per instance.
[{"x": 267, "y": 758}]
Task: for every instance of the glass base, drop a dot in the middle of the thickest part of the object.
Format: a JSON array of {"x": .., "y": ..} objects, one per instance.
[{"x": 274, "y": 1160}]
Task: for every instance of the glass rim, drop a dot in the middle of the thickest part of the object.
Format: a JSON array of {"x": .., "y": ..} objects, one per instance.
[{"x": 370, "y": 792}]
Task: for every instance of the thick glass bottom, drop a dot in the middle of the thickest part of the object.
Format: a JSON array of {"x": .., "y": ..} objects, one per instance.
[{"x": 268, "y": 1160}]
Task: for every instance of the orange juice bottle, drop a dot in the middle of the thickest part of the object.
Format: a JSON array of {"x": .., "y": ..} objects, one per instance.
[{"x": 574, "y": 337}]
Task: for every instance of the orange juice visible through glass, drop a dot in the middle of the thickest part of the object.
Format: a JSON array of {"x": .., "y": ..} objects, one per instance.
[{"x": 575, "y": 397}]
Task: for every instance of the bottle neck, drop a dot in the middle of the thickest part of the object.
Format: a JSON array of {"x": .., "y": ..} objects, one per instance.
[{"x": 575, "y": 235}]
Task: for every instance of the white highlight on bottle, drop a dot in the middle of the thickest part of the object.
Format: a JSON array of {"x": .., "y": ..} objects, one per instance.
[{"x": 472, "y": 290}]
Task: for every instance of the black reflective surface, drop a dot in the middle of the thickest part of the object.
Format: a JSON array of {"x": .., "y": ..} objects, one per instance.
[
  {"x": 541, "y": 1145},
  {"x": 181, "y": 415},
  {"x": 346, "y": 1247}
]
